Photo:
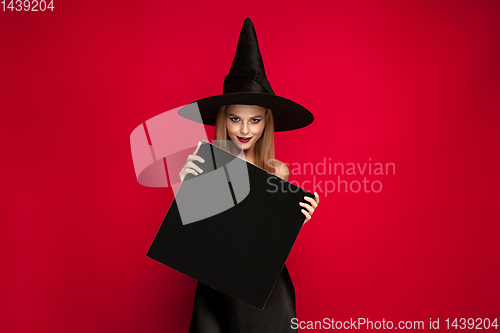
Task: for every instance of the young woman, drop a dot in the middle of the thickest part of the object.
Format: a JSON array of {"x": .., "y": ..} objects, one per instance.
[
  {"x": 248, "y": 113},
  {"x": 246, "y": 124}
]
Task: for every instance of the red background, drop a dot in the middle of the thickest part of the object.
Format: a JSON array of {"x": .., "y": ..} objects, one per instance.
[{"x": 414, "y": 83}]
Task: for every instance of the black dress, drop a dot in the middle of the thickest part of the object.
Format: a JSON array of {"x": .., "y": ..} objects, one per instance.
[{"x": 216, "y": 312}]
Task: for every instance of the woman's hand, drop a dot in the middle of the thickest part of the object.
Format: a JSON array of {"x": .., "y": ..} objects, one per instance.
[
  {"x": 310, "y": 208},
  {"x": 190, "y": 167}
]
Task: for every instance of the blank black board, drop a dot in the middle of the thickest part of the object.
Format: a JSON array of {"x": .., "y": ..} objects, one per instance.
[{"x": 241, "y": 250}]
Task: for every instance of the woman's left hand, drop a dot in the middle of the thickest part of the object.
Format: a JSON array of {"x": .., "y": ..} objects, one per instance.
[{"x": 310, "y": 207}]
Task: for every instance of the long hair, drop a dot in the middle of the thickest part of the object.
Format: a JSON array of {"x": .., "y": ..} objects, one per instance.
[{"x": 264, "y": 147}]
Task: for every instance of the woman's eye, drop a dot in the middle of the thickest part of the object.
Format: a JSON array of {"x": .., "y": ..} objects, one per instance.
[{"x": 236, "y": 119}]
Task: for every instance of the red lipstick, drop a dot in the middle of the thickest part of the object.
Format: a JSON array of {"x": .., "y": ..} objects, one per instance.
[{"x": 243, "y": 139}]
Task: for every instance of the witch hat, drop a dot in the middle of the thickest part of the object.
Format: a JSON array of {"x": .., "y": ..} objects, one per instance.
[{"x": 247, "y": 84}]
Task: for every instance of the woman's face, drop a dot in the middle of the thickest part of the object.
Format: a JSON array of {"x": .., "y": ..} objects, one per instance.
[{"x": 245, "y": 124}]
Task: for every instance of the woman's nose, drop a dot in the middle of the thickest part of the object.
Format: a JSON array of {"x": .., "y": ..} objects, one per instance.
[{"x": 244, "y": 129}]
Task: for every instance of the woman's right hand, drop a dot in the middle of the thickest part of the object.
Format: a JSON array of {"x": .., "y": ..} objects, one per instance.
[{"x": 190, "y": 167}]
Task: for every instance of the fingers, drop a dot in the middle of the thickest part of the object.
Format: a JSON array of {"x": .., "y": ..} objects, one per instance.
[
  {"x": 195, "y": 158},
  {"x": 189, "y": 170},
  {"x": 197, "y": 148},
  {"x": 313, "y": 202},
  {"x": 308, "y": 207},
  {"x": 307, "y": 215},
  {"x": 191, "y": 165}
]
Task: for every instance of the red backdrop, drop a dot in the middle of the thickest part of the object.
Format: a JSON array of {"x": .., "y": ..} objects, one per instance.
[{"x": 413, "y": 83}]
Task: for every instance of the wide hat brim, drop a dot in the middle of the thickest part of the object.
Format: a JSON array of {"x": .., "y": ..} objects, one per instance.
[{"x": 288, "y": 115}]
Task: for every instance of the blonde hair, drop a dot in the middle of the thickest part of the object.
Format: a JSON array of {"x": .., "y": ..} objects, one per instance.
[{"x": 264, "y": 147}]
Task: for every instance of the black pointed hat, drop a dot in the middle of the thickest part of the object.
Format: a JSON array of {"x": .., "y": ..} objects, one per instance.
[{"x": 247, "y": 84}]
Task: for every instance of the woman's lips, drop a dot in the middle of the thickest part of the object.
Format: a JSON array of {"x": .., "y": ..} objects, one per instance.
[{"x": 243, "y": 139}]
